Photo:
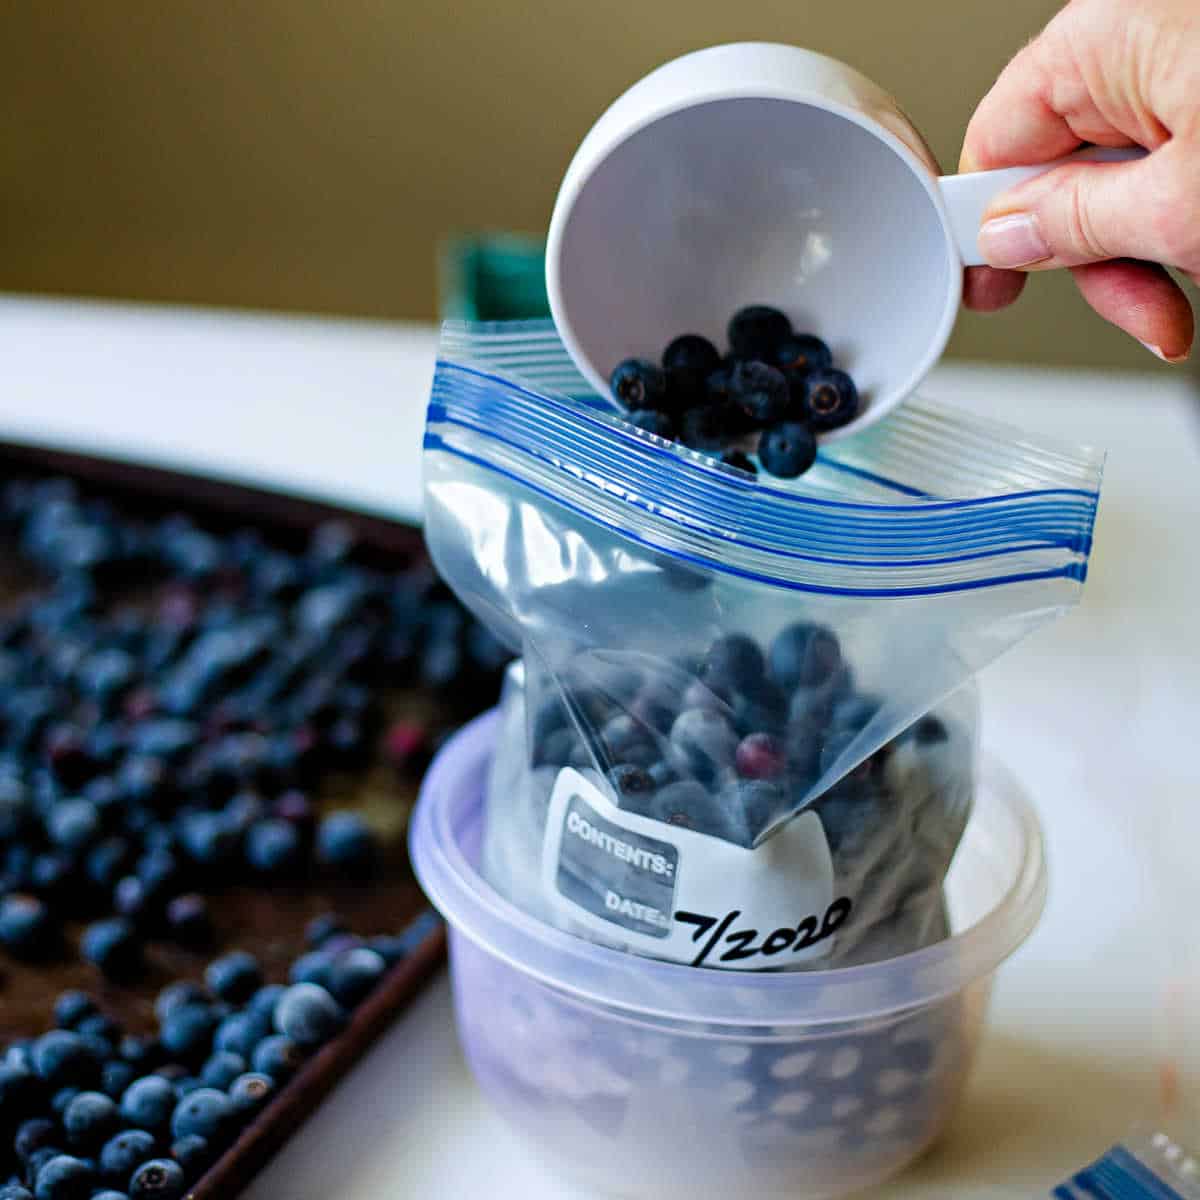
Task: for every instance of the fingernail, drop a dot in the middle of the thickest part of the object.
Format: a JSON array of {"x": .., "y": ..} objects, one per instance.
[
  {"x": 1013, "y": 241},
  {"x": 1167, "y": 358}
]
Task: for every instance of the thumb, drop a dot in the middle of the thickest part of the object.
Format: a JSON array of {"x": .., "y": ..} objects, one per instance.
[{"x": 1089, "y": 212}]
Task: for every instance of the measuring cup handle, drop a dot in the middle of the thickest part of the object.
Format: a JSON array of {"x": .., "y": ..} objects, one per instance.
[{"x": 967, "y": 196}]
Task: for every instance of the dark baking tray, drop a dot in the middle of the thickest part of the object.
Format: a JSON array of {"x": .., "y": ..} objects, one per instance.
[{"x": 269, "y": 924}]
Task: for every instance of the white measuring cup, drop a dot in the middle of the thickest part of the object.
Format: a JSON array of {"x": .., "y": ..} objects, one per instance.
[{"x": 756, "y": 173}]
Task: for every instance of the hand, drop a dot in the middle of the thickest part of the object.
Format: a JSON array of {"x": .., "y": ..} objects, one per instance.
[{"x": 1110, "y": 73}]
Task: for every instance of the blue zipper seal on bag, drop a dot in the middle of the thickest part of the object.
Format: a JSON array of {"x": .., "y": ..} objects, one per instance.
[
  {"x": 1120, "y": 1174},
  {"x": 868, "y": 507}
]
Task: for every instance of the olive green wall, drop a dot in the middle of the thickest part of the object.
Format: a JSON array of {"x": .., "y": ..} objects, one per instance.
[{"x": 306, "y": 154}]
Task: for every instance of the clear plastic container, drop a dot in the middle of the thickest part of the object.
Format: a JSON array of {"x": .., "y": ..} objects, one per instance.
[{"x": 646, "y": 1078}]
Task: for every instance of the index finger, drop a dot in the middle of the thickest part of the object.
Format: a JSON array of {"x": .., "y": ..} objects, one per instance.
[{"x": 1016, "y": 122}]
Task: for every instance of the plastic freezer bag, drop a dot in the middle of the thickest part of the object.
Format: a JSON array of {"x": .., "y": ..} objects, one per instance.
[{"x": 727, "y": 754}]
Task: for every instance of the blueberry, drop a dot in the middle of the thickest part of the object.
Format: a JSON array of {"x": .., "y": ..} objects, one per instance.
[
  {"x": 15, "y": 807},
  {"x": 296, "y": 808},
  {"x": 240, "y": 1032},
  {"x": 187, "y": 1032},
  {"x": 176, "y": 995},
  {"x": 160, "y": 872},
  {"x": 193, "y": 1154},
  {"x": 705, "y": 428},
  {"x": 64, "y": 1178},
  {"x": 61, "y": 1098},
  {"x": 186, "y": 1086},
  {"x": 407, "y": 747},
  {"x": 250, "y": 1092},
  {"x": 621, "y": 735},
  {"x": 758, "y": 802},
  {"x": 115, "y": 1077},
  {"x": 760, "y": 756},
  {"x": 204, "y": 1112},
  {"x": 394, "y": 948},
  {"x": 279, "y": 1057},
  {"x": 739, "y": 459},
  {"x": 207, "y": 838},
  {"x": 757, "y": 332},
  {"x": 788, "y": 450},
  {"x": 314, "y": 967},
  {"x": 106, "y": 862},
  {"x": 130, "y": 900},
  {"x": 14, "y": 1191},
  {"x": 653, "y": 421},
  {"x": 690, "y": 805},
  {"x": 222, "y": 1068},
  {"x": 855, "y": 712},
  {"x": 637, "y": 383},
  {"x": 27, "y": 928},
  {"x": 830, "y": 399},
  {"x": 100, "y": 1026},
  {"x": 114, "y": 947},
  {"x": 914, "y": 1054},
  {"x": 63, "y": 1059},
  {"x": 802, "y": 353},
  {"x": 632, "y": 785},
  {"x": 804, "y": 655},
  {"x": 662, "y": 773},
  {"x": 73, "y": 824},
  {"x": 158, "y": 1179},
  {"x": 760, "y": 391},
  {"x": 90, "y": 1120},
  {"x": 34, "y": 1134},
  {"x": 234, "y": 977},
  {"x": 354, "y": 975},
  {"x": 702, "y": 743},
  {"x": 308, "y": 1015},
  {"x": 554, "y": 749},
  {"x": 718, "y": 385},
  {"x": 688, "y": 362},
  {"x": 733, "y": 662},
  {"x": 110, "y": 1194},
  {"x": 53, "y": 877},
  {"x": 929, "y": 730},
  {"x": 274, "y": 847},
  {"x": 346, "y": 844},
  {"x": 262, "y": 1004},
  {"x": 188, "y": 920},
  {"x": 137, "y": 1050},
  {"x": 681, "y": 803},
  {"x": 19, "y": 1056},
  {"x": 37, "y": 1160},
  {"x": 71, "y": 1007},
  {"x": 691, "y": 352},
  {"x": 105, "y": 674},
  {"x": 760, "y": 710},
  {"x": 124, "y": 1153},
  {"x": 322, "y": 926}
]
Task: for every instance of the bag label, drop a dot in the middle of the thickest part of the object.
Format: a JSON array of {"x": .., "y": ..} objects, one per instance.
[{"x": 678, "y": 894}]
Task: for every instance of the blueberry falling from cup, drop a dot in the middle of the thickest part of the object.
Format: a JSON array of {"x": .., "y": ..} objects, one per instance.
[{"x": 774, "y": 385}]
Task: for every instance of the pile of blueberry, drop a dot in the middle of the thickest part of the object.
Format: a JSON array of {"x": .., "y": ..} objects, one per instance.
[
  {"x": 171, "y": 698},
  {"x": 91, "y": 1112},
  {"x": 774, "y": 384},
  {"x": 726, "y": 743}
]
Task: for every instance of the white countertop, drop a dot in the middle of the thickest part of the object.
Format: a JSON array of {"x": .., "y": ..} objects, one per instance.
[{"x": 1096, "y": 715}]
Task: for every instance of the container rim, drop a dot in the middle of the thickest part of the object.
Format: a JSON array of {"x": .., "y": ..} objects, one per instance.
[{"x": 643, "y": 987}]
